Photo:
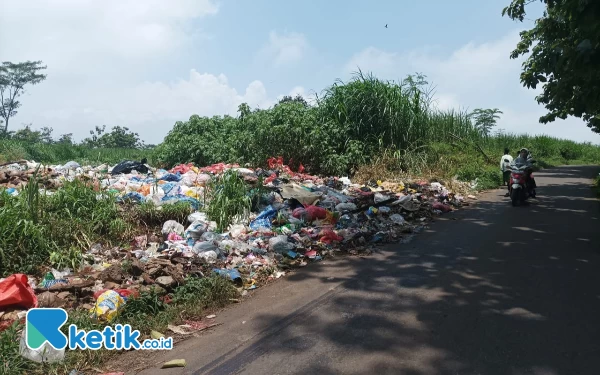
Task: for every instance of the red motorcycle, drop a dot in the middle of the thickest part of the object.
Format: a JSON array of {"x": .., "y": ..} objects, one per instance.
[{"x": 521, "y": 185}]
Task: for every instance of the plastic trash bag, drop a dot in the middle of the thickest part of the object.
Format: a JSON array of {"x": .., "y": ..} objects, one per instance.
[
  {"x": 171, "y": 226},
  {"x": 107, "y": 306},
  {"x": 44, "y": 354},
  {"x": 280, "y": 244},
  {"x": 71, "y": 165},
  {"x": 171, "y": 177},
  {"x": 397, "y": 219},
  {"x": 16, "y": 291},
  {"x": 195, "y": 231},
  {"x": 127, "y": 166},
  {"x": 344, "y": 207},
  {"x": 264, "y": 218},
  {"x": 205, "y": 246},
  {"x": 237, "y": 230}
]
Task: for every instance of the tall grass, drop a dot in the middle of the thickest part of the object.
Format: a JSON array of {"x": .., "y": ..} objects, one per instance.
[{"x": 11, "y": 150}]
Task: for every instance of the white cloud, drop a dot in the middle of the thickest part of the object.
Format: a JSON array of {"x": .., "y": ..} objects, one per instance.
[
  {"x": 99, "y": 55},
  {"x": 475, "y": 76},
  {"x": 285, "y": 48},
  {"x": 151, "y": 108}
]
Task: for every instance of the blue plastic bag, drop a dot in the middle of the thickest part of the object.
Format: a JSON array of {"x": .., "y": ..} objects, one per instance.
[
  {"x": 263, "y": 220},
  {"x": 233, "y": 274},
  {"x": 171, "y": 177}
]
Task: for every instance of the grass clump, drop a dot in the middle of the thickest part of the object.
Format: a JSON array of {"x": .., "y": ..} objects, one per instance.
[
  {"x": 36, "y": 228},
  {"x": 229, "y": 199},
  {"x": 152, "y": 216}
]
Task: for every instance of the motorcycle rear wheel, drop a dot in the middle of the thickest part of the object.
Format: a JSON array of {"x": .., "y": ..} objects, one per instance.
[{"x": 515, "y": 198}]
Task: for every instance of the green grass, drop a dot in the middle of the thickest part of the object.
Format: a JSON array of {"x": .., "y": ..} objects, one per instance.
[
  {"x": 58, "y": 229},
  {"x": 12, "y": 150},
  {"x": 228, "y": 199}
]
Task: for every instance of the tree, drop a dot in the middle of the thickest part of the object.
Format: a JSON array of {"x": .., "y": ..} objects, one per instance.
[
  {"x": 485, "y": 119},
  {"x": 13, "y": 78},
  {"x": 119, "y": 137},
  {"x": 298, "y": 99},
  {"x": 26, "y": 134},
  {"x": 564, "y": 56},
  {"x": 65, "y": 139}
]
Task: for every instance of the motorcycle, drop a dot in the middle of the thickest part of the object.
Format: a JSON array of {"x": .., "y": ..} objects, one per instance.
[{"x": 520, "y": 187}]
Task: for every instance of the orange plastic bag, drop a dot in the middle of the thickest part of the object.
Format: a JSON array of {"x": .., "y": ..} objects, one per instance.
[{"x": 16, "y": 291}]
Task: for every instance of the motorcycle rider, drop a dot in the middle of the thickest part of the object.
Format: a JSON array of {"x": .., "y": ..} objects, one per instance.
[{"x": 525, "y": 158}]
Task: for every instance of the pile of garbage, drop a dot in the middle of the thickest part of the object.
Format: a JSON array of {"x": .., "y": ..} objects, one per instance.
[{"x": 301, "y": 219}]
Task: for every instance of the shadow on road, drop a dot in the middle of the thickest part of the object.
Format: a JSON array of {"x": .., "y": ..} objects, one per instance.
[{"x": 499, "y": 290}]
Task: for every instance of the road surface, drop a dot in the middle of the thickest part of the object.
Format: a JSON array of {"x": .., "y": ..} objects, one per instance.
[{"x": 491, "y": 289}]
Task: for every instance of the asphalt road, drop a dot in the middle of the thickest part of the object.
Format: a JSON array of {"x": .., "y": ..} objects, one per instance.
[{"x": 491, "y": 289}]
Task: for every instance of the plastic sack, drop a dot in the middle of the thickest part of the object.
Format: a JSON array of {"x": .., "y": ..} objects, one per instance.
[
  {"x": 280, "y": 244},
  {"x": 195, "y": 231},
  {"x": 171, "y": 177},
  {"x": 44, "y": 354},
  {"x": 170, "y": 188},
  {"x": 237, "y": 230},
  {"x": 397, "y": 219},
  {"x": 16, "y": 291},
  {"x": 385, "y": 210},
  {"x": 128, "y": 166},
  {"x": 205, "y": 246},
  {"x": 378, "y": 198},
  {"x": 71, "y": 165},
  {"x": 343, "y": 207},
  {"x": 107, "y": 306},
  {"x": 233, "y": 274},
  {"x": 171, "y": 226},
  {"x": 264, "y": 218},
  {"x": 329, "y": 236},
  {"x": 441, "y": 207},
  {"x": 182, "y": 168}
]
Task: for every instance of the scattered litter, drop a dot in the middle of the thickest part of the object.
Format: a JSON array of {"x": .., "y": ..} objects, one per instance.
[
  {"x": 298, "y": 219},
  {"x": 107, "y": 306},
  {"x": 174, "y": 363}
]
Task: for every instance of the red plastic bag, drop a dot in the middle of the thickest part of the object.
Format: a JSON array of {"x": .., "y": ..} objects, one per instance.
[
  {"x": 442, "y": 207},
  {"x": 328, "y": 236},
  {"x": 16, "y": 291},
  {"x": 315, "y": 212}
]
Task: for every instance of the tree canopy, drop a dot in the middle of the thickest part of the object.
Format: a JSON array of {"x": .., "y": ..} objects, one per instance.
[
  {"x": 485, "y": 119},
  {"x": 564, "y": 56},
  {"x": 13, "y": 78},
  {"x": 118, "y": 137}
]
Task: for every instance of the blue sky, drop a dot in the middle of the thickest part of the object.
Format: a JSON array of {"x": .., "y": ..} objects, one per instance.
[{"x": 147, "y": 64}]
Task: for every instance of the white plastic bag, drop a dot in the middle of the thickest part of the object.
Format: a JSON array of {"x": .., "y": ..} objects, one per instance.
[{"x": 45, "y": 353}]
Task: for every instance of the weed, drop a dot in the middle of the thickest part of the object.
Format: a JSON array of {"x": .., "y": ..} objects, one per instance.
[
  {"x": 214, "y": 291},
  {"x": 228, "y": 199}
]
